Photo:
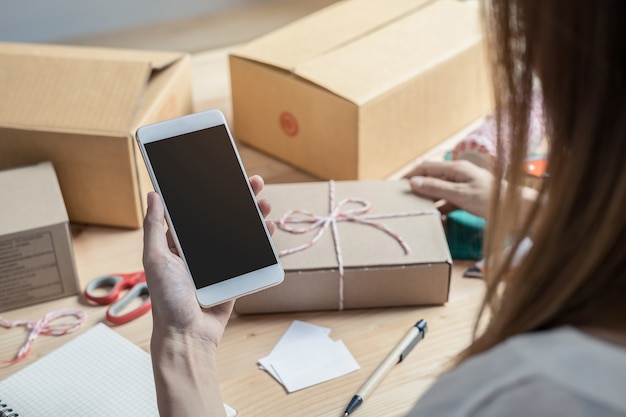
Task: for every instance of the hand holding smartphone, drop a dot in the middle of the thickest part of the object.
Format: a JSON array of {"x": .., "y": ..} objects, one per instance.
[{"x": 210, "y": 207}]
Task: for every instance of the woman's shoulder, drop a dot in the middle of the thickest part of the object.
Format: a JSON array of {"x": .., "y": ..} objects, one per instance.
[{"x": 561, "y": 371}]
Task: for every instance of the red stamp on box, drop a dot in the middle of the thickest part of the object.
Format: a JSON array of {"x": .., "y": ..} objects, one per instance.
[{"x": 288, "y": 123}]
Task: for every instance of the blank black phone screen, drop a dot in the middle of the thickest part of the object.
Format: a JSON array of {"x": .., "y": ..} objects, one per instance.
[{"x": 210, "y": 206}]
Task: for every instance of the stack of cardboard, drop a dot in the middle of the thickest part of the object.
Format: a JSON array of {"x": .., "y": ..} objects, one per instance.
[{"x": 67, "y": 153}]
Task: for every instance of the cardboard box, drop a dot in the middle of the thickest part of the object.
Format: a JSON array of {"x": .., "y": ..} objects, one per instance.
[
  {"x": 79, "y": 108},
  {"x": 36, "y": 254},
  {"x": 363, "y": 87},
  {"x": 377, "y": 271}
]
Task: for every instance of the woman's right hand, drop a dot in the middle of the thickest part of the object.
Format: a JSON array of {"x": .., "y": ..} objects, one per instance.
[{"x": 462, "y": 184}]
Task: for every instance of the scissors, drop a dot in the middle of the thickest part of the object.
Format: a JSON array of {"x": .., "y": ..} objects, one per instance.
[{"x": 115, "y": 283}]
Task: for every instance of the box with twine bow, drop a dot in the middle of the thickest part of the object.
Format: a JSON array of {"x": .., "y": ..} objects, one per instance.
[{"x": 353, "y": 244}]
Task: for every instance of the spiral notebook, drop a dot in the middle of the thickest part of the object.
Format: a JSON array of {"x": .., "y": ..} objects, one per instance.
[{"x": 98, "y": 373}]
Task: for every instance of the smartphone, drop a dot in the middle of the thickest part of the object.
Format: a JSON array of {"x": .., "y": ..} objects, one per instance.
[{"x": 210, "y": 207}]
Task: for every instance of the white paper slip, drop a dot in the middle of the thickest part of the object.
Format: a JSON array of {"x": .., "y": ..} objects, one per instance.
[
  {"x": 297, "y": 337},
  {"x": 306, "y": 356}
]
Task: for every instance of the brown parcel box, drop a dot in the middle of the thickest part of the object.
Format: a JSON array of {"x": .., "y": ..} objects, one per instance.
[
  {"x": 378, "y": 273},
  {"x": 361, "y": 88},
  {"x": 79, "y": 108},
  {"x": 36, "y": 254}
]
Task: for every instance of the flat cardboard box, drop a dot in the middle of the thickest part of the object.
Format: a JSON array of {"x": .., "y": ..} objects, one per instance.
[
  {"x": 36, "y": 253},
  {"x": 79, "y": 108},
  {"x": 378, "y": 273},
  {"x": 363, "y": 87}
]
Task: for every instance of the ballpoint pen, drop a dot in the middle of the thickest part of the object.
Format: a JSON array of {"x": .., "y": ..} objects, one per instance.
[{"x": 397, "y": 355}]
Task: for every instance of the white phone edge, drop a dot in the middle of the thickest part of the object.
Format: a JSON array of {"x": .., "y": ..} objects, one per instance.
[{"x": 234, "y": 287}]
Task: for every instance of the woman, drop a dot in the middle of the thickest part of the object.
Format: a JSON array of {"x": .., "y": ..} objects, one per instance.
[{"x": 552, "y": 341}]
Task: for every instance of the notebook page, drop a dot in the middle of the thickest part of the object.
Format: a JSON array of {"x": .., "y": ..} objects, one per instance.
[{"x": 98, "y": 373}]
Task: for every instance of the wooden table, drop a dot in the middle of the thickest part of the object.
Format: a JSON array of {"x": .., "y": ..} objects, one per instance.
[{"x": 368, "y": 334}]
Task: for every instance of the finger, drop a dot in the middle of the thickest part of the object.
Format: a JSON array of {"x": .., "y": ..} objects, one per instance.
[
  {"x": 434, "y": 188},
  {"x": 222, "y": 312},
  {"x": 257, "y": 183},
  {"x": 424, "y": 167},
  {"x": 265, "y": 207},
  {"x": 417, "y": 183},
  {"x": 271, "y": 226},
  {"x": 154, "y": 234},
  {"x": 456, "y": 171},
  {"x": 171, "y": 243},
  {"x": 445, "y": 207}
]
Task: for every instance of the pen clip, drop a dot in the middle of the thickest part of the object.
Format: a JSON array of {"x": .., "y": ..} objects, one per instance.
[{"x": 421, "y": 327}]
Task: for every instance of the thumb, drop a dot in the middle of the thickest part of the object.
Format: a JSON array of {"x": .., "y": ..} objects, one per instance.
[{"x": 154, "y": 238}]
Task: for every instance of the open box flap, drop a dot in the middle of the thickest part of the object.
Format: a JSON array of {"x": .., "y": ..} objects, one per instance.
[{"x": 74, "y": 88}]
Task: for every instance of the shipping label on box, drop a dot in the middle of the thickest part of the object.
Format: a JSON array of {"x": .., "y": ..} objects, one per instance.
[
  {"x": 36, "y": 253},
  {"x": 79, "y": 107},
  {"x": 354, "y": 244},
  {"x": 363, "y": 87}
]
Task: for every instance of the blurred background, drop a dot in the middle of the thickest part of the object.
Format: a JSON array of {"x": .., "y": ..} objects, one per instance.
[{"x": 181, "y": 25}]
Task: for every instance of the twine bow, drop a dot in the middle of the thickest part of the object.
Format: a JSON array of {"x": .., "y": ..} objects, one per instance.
[
  {"x": 44, "y": 326},
  {"x": 336, "y": 215}
]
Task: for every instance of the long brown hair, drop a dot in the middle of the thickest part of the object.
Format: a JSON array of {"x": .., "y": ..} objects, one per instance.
[{"x": 575, "y": 272}]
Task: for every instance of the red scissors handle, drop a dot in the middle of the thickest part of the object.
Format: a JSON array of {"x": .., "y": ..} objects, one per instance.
[
  {"x": 115, "y": 284},
  {"x": 138, "y": 291},
  {"x": 112, "y": 285}
]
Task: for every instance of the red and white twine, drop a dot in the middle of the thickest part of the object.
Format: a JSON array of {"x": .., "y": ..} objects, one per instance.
[
  {"x": 44, "y": 326},
  {"x": 336, "y": 215}
]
